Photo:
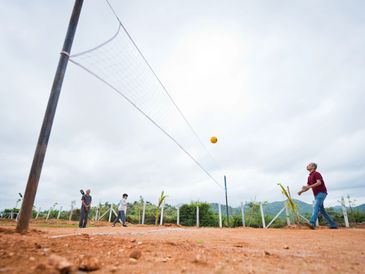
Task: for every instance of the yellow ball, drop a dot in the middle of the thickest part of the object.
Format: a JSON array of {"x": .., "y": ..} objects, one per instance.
[{"x": 213, "y": 140}]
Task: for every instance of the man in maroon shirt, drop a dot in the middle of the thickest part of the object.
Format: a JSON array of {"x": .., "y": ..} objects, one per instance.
[{"x": 316, "y": 183}]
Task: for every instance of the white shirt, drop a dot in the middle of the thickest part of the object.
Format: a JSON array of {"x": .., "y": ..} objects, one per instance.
[{"x": 123, "y": 205}]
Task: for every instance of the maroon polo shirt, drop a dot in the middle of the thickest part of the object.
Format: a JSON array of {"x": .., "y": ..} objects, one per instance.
[{"x": 312, "y": 179}]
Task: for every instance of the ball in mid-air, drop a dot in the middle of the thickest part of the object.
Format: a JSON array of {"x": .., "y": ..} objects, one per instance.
[{"x": 213, "y": 140}]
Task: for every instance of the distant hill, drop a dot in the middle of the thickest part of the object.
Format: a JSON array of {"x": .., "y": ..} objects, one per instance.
[{"x": 360, "y": 208}]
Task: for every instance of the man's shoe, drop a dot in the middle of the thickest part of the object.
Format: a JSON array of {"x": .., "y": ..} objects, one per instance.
[
  {"x": 310, "y": 226},
  {"x": 333, "y": 227},
  {"x": 113, "y": 225},
  {"x": 125, "y": 225}
]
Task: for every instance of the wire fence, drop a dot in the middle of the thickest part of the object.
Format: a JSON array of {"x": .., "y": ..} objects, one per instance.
[{"x": 198, "y": 214}]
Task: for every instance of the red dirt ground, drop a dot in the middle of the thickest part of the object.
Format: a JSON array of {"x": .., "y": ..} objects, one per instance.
[{"x": 171, "y": 249}]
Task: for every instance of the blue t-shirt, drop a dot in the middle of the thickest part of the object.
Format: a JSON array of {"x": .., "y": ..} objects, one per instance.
[{"x": 87, "y": 199}]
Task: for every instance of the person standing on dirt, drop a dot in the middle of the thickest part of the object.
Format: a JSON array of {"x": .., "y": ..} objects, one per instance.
[
  {"x": 122, "y": 210},
  {"x": 85, "y": 208},
  {"x": 316, "y": 183}
]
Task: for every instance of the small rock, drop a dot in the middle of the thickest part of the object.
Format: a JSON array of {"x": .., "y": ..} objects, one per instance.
[
  {"x": 267, "y": 253},
  {"x": 114, "y": 269},
  {"x": 60, "y": 263},
  {"x": 286, "y": 247},
  {"x": 139, "y": 243},
  {"x": 132, "y": 260},
  {"x": 32, "y": 259},
  {"x": 133, "y": 240},
  {"x": 40, "y": 268},
  {"x": 199, "y": 259},
  {"x": 136, "y": 254},
  {"x": 11, "y": 254},
  {"x": 164, "y": 260},
  {"x": 88, "y": 263},
  {"x": 45, "y": 250},
  {"x": 37, "y": 245}
]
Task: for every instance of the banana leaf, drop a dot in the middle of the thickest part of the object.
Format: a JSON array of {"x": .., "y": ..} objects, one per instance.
[{"x": 291, "y": 204}]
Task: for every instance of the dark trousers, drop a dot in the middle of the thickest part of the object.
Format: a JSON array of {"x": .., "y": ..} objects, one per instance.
[
  {"x": 121, "y": 216},
  {"x": 84, "y": 215}
]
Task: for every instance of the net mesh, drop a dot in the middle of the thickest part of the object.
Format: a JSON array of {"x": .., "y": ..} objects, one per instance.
[{"x": 119, "y": 64}]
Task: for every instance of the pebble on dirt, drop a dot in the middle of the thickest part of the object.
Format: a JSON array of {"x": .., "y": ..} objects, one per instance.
[
  {"x": 136, "y": 254},
  {"x": 88, "y": 263},
  {"x": 133, "y": 260},
  {"x": 60, "y": 263}
]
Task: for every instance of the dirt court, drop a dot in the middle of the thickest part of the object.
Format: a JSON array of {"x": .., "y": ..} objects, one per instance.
[{"x": 172, "y": 249}]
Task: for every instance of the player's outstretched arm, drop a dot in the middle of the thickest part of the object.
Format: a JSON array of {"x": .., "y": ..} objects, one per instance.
[{"x": 304, "y": 189}]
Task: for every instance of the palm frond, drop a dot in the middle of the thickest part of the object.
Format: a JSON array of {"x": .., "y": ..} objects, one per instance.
[{"x": 291, "y": 204}]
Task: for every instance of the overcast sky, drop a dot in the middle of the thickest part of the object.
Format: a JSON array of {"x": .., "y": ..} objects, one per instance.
[{"x": 280, "y": 83}]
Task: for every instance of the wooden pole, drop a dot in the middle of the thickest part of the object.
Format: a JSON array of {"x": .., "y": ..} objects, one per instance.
[
  {"x": 225, "y": 190},
  {"x": 40, "y": 152},
  {"x": 143, "y": 212},
  {"x": 96, "y": 214},
  {"x": 287, "y": 214},
  {"x": 262, "y": 216},
  {"x": 243, "y": 214},
  {"x": 317, "y": 222},
  {"x": 110, "y": 212},
  {"x": 344, "y": 211},
  {"x": 220, "y": 215},
  {"x": 178, "y": 216},
  {"x": 276, "y": 216},
  {"x": 161, "y": 217},
  {"x": 59, "y": 213},
  {"x": 39, "y": 211},
  {"x": 197, "y": 217},
  {"x": 72, "y": 209},
  {"x": 49, "y": 212}
]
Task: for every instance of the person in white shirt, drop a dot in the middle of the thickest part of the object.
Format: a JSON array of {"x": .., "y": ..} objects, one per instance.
[{"x": 122, "y": 210}]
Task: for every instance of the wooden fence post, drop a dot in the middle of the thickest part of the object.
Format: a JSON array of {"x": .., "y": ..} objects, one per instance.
[
  {"x": 243, "y": 214},
  {"x": 287, "y": 214},
  {"x": 197, "y": 216},
  {"x": 161, "y": 217},
  {"x": 220, "y": 215},
  {"x": 262, "y": 216},
  {"x": 178, "y": 216},
  {"x": 143, "y": 212},
  {"x": 313, "y": 203},
  {"x": 344, "y": 211},
  {"x": 39, "y": 211},
  {"x": 49, "y": 212},
  {"x": 110, "y": 213},
  {"x": 59, "y": 213}
]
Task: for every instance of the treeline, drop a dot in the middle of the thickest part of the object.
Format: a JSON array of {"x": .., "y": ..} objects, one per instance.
[{"x": 208, "y": 217}]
